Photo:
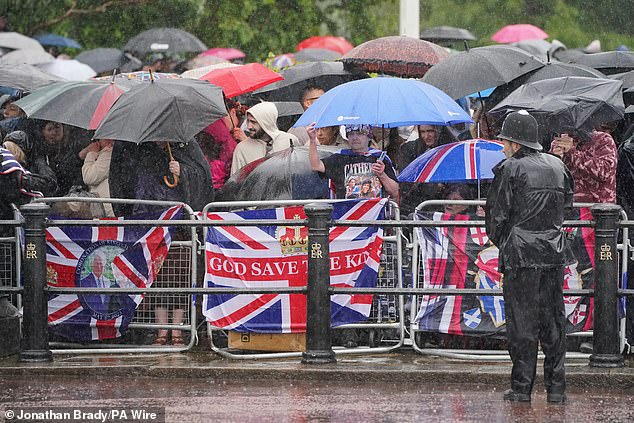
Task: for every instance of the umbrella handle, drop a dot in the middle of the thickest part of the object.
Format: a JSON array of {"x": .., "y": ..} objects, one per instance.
[{"x": 166, "y": 178}]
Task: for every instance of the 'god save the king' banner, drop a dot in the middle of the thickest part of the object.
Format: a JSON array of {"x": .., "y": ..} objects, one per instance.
[{"x": 277, "y": 256}]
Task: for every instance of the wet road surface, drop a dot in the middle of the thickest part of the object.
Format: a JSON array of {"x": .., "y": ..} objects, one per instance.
[{"x": 207, "y": 400}]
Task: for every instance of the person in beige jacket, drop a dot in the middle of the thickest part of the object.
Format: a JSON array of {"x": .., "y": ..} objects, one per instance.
[{"x": 96, "y": 169}]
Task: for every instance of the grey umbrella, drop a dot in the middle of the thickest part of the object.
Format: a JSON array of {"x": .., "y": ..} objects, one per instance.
[
  {"x": 446, "y": 33},
  {"x": 164, "y": 40},
  {"x": 479, "y": 69},
  {"x": 316, "y": 55},
  {"x": 164, "y": 110},
  {"x": 324, "y": 75},
  {"x": 108, "y": 59},
  {"x": 25, "y": 77},
  {"x": 15, "y": 41},
  {"x": 28, "y": 56},
  {"x": 609, "y": 62}
]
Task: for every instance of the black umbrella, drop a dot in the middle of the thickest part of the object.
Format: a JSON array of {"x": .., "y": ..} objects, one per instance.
[
  {"x": 108, "y": 59},
  {"x": 446, "y": 33},
  {"x": 573, "y": 105},
  {"x": 285, "y": 175},
  {"x": 609, "y": 62},
  {"x": 479, "y": 69},
  {"x": 325, "y": 75},
  {"x": 164, "y": 110},
  {"x": 25, "y": 77},
  {"x": 316, "y": 55},
  {"x": 164, "y": 40}
]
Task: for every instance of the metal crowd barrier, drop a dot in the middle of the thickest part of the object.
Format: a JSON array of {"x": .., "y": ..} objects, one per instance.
[
  {"x": 494, "y": 355},
  {"x": 179, "y": 271},
  {"x": 385, "y": 327},
  {"x": 11, "y": 260}
]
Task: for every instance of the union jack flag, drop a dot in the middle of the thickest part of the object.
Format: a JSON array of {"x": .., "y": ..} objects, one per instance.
[
  {"x": 9, "y": 165},
  {"x": 277, "y": 256},
  {"x": 102, "y": 257}
]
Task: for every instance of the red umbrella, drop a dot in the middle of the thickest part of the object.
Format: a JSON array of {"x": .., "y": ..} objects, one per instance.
[
  {"x": 396, "y": 55},
  {"x": 242, "y": 79},
  {"x": 226, "y": 53},
  {"x": 328, "y": 42},
  {"x": 519, "y": 32}
]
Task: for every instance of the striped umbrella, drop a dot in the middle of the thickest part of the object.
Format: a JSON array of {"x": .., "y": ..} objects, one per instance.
[{"x": 464, "y": 161}]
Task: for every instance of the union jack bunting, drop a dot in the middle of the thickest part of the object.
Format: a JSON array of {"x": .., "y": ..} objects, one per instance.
[
  {"x": 277, "y": 256},
  {"x": 454, "y": 257},
  {"x": 102, "y": 257},
  {"x": 10, "y": 164}
]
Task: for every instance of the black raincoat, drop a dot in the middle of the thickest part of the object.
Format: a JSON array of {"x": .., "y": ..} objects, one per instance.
[{"x": 526, "y": 204}]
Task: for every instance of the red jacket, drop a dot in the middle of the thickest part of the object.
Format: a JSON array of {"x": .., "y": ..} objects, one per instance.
[{"x": 593, "y": 167}]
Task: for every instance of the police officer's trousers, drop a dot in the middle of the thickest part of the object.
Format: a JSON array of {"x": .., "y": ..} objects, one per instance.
[{"x": 534, "y": 307}]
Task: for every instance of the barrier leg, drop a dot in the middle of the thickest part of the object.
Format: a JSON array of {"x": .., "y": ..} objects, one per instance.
[
  {"x": 606, "y": 351},
  {"x": 318, "y": 342},
  {"x": 35, "y": 346}
]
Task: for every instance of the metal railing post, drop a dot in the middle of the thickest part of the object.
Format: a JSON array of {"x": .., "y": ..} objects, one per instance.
[
  {"x": 318, "y": 342},
  {"x": 606, "y": 351},
  {"x": 35, "y": 346}
]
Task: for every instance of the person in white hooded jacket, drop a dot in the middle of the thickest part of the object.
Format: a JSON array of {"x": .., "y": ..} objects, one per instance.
[{"x": 263, "y": 136}]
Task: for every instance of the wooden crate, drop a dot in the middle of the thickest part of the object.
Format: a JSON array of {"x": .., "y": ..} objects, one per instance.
[{"x": 273, "y": 342}]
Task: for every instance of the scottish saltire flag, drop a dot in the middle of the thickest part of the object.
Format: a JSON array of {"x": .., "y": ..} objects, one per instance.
[
  {"x": 455, "y": 257},
  {"x": 10, "y": 164},
  {"x": 102, "y": 257},
  {"x": 277, "y": 256}
]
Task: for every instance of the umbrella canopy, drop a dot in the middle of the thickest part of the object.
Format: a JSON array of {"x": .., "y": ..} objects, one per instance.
[
  {"x": 26, "y": 56},
  {"x": 480, "y": 68},
  {"x": 284, "y": 175},
  {"x": 538, "y": 48},
  {"x": 390, "y": 102},
  {"x": 626, "y": 77},
  {"x": 572, "y": 104},
  {"x": 558, "y": 70},
  {"x": 464, "y": 161},
  {"x": 446, "y": 33},
  {"x": 324, "y": 75},
  {"x": 131, "y": 78},
  {"x": 56, "y": 41},
  {"x": 163, "y": 110},
  {"x": 159, "y": 40},
  {"x": 196, "y": 73},
  {"x": 109, "y": 59},
  {"x": 71, "y": 70},
  {"x": 25, "y": 77},
  {"x": 241, "y": 79},
  {"x": 17, "y": 41},
  {"x": 288, "y": 108},
  {"x": 609, "y": 62},
  {"x": 82, "y": 104},
  {"x": 400, "y": 56},
  {"x": 316, "y": 55},
  {"x": 328, "y": 42},
  {"x": 518, "y": 32},
  {"x": 225, "y": 53}
]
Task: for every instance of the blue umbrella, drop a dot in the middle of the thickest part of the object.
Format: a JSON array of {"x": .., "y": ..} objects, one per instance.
[
  {"x": 464, "y": 161},
  {"x": 384, "y": 101},
  {"x": 57, "y": 41}
]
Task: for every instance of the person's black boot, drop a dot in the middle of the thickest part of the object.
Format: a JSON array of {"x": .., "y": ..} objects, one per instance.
[
  {"x": 555, "y": 398},
  {"x": 511, "y": 395}
]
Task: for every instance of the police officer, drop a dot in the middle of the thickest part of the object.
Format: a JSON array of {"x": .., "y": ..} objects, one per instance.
[{"x": 525, "y": 209}]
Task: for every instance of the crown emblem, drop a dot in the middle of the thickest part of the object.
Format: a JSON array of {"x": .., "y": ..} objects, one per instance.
[
  {"x": 605, "y": 248},
  {"x": 293, "y": 239}
]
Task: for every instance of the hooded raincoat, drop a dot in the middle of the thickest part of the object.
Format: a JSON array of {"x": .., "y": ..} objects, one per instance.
[{"x": 252, "y": 149}]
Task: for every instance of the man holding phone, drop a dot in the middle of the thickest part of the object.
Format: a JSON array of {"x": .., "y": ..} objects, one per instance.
[{"x": 359, "y": 163}]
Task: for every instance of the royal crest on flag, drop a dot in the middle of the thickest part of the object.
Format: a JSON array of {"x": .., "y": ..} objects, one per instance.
[
  {"x": 102, "y": 257},
  {"x": 277, "y": 256}
]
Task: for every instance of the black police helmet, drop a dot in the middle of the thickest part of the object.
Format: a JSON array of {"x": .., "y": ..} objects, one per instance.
[{"x": 522, "y": 128}]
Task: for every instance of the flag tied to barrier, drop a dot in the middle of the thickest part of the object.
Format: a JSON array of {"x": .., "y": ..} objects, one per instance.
[
  {"x": 102, "y": 257},
  {"x": 277, "y": 256},
  {"x": 463, "y": 258},
  {"x": 10, "y": 164}
]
